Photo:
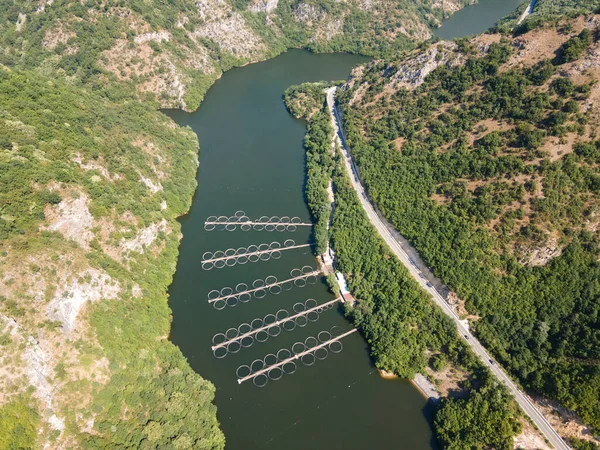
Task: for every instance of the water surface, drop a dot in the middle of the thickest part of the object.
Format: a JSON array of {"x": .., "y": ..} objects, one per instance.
[
  {"x": 476, "y": 18},
  {"x": 252, "y": 159}
]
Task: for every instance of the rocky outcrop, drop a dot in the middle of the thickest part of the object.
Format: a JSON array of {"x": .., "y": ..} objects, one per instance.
[
  {"x": 96, "y": 165},
  {"x": 413, "y": 71},
  {"x": 20, "y": 24},
  {"x": 410, "y": 73},
  {"x": 157, "y": 60},
  {"x": 539, "y": 255},
  {"x": 71, "y": 218},
  {"x": 144, "y": 238},
  {"x": 153, "y": 37},
  {"x": 38, "y": 374},
  {"x": 265, "y": 6},
  {"x": 151, "y": 185},
  {"x": 73, "y": 293},
  {"x": 234, "y": 36}
]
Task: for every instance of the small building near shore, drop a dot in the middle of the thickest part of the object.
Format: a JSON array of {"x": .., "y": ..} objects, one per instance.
[{"x": 345, "y": 293}]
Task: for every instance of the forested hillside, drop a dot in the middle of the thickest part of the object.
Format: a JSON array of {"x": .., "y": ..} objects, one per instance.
[
  {"x": 91, "y": 183},
  {"x": 545, "y": 12},
  {"x": 405, "y": 331},
  {"x": 484, "y": 153},
  {"x": 169, "y": 53},
  {"x": 90, "y": 191}
]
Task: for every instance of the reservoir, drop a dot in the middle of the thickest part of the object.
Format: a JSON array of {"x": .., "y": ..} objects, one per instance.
[
  {"x": 252, "y": 160},
  {"x": 476, "y": 18}
]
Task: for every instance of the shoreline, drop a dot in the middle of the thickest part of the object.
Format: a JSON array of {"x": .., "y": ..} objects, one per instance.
[{"x": 423, "y": 385}]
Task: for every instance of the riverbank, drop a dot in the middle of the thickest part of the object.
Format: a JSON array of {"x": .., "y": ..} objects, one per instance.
[
  {"x": 383, "y": 229},
  {"x": 425, "y": 386},
  {"x": 420, "y": 381}
]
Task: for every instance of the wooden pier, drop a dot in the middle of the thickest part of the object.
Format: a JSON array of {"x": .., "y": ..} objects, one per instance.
[
  {"x": 251, "y": 223},
  {"x": 266, "y": 286},
  {"x": 255, "y": 253}
]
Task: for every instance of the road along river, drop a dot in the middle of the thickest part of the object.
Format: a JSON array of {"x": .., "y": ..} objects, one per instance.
[
  {"x": 400, "y": 248},
  {"x": 252, "y": 160}
]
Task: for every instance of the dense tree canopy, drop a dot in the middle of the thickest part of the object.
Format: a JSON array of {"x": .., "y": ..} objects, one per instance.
[
  {"x": 481, "y": 205},
  {"x": 18, "y": 422},
  {"x": 485, "y": 418},
  {"x": 397, "y": 318},
  {"x": 48, "y": 131}
]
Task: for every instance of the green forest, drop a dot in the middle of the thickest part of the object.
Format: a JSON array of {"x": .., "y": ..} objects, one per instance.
[
  {"x": 544, "y": 12},
  {"x": 79, "y": 122},
  {"x": 400, "y": 323},
  {"x": 478, "y": 202},
  {"x": 18, "y": 422},
  {"x": 306, "y": 101},
  {"x": 86, "y": 32},
  {"x": 396, "y": 317},
  {"x": 70, "y": 128},
  {"x": 486, "y": 411},
  {"x": 43, "y": 124}
]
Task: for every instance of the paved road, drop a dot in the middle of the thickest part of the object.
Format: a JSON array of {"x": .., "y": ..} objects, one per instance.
[
  {"x": 527, "y": 12},
  {"x": 384, "y": 229}
]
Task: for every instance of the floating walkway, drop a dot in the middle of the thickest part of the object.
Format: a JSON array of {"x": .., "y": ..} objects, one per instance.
[
  {"x": 273, "y": 367},
  {"x": 252, "y": 253},
  {"x": 243, "y": 293},
  {"x": 270, "y": 326},
  {"x": 242, "y": 221}
]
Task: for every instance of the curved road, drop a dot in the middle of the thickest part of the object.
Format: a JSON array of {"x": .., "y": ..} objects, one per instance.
[{"x": 383, "y": 227}]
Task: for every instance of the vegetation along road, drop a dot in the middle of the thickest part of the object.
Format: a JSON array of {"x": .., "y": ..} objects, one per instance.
[{"x": 383, "y": 228}]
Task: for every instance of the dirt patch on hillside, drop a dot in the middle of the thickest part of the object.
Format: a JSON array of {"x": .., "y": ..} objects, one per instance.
[
  {"x": 448, "y": 381},
  {"x": 58, "y": 35},
  {"x": 535, "y": 46},
  {"x": 564, "y": 421},
  {"x": 71, "y": 218}
]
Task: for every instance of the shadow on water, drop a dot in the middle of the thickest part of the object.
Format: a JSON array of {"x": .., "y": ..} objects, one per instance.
[{"x": 428, "y": 413}]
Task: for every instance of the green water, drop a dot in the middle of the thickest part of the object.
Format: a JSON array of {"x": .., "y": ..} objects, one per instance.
[
  {"x": 252, "y": 159},
  {"x": 476, "y": 18}
]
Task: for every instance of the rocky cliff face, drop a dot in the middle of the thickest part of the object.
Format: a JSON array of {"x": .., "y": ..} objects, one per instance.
[{"x": 174, "y": 55}]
